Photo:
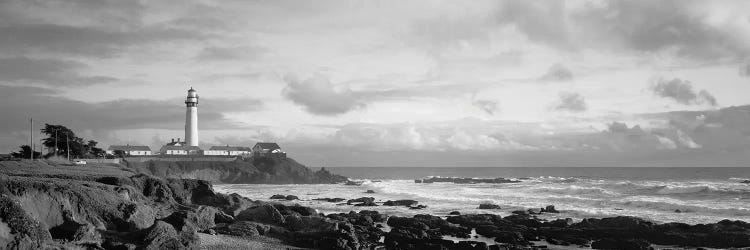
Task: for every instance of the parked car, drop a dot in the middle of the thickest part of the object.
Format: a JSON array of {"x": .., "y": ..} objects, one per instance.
[{"x": 80, "y": 162}]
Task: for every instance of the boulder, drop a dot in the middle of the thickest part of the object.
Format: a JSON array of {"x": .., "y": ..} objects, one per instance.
[
  {"x": 454, "y": 213},
  {"x": 265, "y": 214},
  {"x": 550, "y": 209},
  {"x": 291, "y": 197},
  {"x": 418, "y": 207},
  {"x": 488, "y": 206},
  {"x": 404, "y": 203},
  {"x": 370, "y": 191},
  {"x": 278, "y": 197},
  {"x": 138, "y": 216},
  {"x": 162, "y": 235}
]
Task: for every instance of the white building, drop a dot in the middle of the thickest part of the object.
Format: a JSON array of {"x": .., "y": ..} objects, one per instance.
[
  {"x": 228, "y": 150},
  {"x": 268, "y": 149},
  {"x": 130, "y": 150},
  {"x": 179, "y": 148}
]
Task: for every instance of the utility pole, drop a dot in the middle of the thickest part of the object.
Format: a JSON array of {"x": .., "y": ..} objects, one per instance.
[
  {"x": 31, "y": 139},
  {"x": 67, "y": 142},
  {"x": 56, "y": 142}
]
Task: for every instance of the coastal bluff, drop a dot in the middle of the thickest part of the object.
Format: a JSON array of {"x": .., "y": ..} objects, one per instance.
[{"x": 264, "y": 170}]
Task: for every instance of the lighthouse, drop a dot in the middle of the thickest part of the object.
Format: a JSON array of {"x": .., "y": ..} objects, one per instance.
[{"x": 191, "y": 118}]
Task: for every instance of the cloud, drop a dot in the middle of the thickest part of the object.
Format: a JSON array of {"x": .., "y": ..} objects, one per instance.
[
  {"x": 682, "y": 92},
  {"x": 693, "y": 29},
  {"x": 488, "y": 106},
  {"x": 319, "y": 96},
  {"x": 539, "y": 21},
  {"x": 570, "y": 101},
  {"x": 85, "y": 41},
  {"x": 557, "y": 72},
  {"x": 229, "y": 53},
  {"x": 53, "y": 72}
]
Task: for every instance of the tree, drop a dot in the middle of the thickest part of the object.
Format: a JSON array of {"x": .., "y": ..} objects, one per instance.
[
  {"x": 60, "y": 138},
  {"x": 119, "y": 153},
  {"x": 25, "y": 153}
]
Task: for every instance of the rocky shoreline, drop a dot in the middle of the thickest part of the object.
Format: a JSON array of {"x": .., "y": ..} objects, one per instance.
[{"x": 111, "y": 207}]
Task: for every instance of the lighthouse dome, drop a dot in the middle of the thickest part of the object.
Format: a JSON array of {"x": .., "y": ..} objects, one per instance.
[{"x": 192, "y": 93}]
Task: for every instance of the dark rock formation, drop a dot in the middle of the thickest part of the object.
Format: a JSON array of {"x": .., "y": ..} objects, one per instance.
[
  {"x": 361, "y": 200},
  {"x": 454, "y": 213},
  {"x": 370, "y": 191},
  {"x": 488, "y": 206},
  {"x": 403, "y": 203},
  {"x": 549, "y": 209},
  {"x": 284, "y": 197},
  {"x": 330, "y": 199}
]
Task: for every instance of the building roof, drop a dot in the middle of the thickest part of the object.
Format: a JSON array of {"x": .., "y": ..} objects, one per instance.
[
  {"x": 267, "y": 145},
  {"x": 183, "y": 147},
  {"x": 230, "y": 148},
  {"x": 129, "y": 148}
]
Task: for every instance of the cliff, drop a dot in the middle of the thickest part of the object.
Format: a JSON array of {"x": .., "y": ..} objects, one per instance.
[{"x": 252, "y": 171}]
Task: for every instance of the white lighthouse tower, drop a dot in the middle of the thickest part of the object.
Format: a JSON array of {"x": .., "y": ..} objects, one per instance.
[{"x": 191, "y": 118}]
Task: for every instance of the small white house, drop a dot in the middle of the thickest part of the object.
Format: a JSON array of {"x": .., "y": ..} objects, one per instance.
[
  {"x": 130, "y": 150},
  {"x": 268, "y": 149},
  {"x": 228, "y": 151}
]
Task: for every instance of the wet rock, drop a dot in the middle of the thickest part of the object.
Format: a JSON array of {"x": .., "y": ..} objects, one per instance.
[
  {"x": 291, "y": 197},
  {"x": 278, "y": 197},
  {"x": 366, "y": 204},
  {"x": 361, "y": 200},
  {"x": 370, "y": 191},
  {"x": 559, "y": 223},
  {"x": 677, "y": 211},
  {"x": 418, "y": 207},
  {"x": 353, "y": 183},
  {"x": 550, "y": 209},
  {"x": 488, "y": 206},
  {"x": 745, "y": 182},
  {"x": 405, "y": 203},
  {"x": 330, "y": 199},
  {"x": 454, "y": 213}
]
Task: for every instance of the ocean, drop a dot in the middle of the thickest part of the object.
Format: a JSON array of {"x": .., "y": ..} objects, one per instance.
[{"x": 689, "y": 195}]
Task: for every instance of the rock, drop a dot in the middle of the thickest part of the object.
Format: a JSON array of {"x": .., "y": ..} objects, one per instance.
[
  {"x": 520, "y": 212},
  {"x": 180, "y": 221},
  {"x": 361, "y": 200},
  {"x": 291, "y": 197},
  {"x": 330, "y": 199},
  {"x": 221, "y": 217},
  {"x": 29, "y": 234},
  {"x": 265, "y": 214},
  {"x": 72, "y": 230},
  {"x": 366, "y": 204},
  {"x": 418, "y": 207},
  {"x": 278, "y": 197},
  {"x": 550, "y": 209},
  {"x": 559, "y": 223},
  {"x": 677, "y": 211},
  {"x": 240, "y": 228},
  {"x": 454, "y": 213},
  {"x": 745, "y": 182},
  {"x": 488, "y": 206},
  {"x": 370, "y": 191},
  {"x": 162, "y": 235},
  {"x": 138, "y": 216},
  {"x": 405, "y": 203},
  {"x": 634, "y": 244},
  {"x": 535, "y": 211}
]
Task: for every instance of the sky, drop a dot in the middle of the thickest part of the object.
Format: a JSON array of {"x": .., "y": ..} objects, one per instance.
[{"x": 391, "y": 83}]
